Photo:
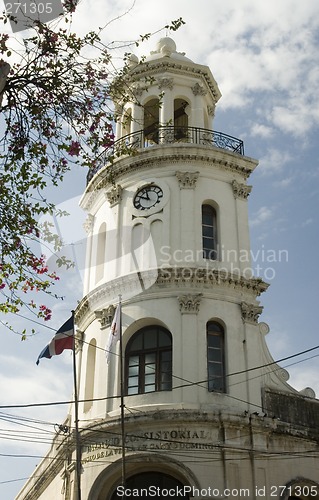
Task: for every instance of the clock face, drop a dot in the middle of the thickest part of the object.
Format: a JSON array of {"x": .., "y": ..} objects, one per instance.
[{"x": 147, "y": 197}]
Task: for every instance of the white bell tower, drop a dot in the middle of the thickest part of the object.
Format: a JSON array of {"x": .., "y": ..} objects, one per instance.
[
  {"x": 207, "y": 412},
  {"x": 168, "y": 231}
]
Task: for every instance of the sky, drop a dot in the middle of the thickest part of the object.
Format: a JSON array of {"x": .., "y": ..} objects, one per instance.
[{"x": 265, "y": 59}]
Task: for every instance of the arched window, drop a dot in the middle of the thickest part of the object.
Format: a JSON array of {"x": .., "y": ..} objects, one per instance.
[
  {"x": 127, "y": 122},
  {"x": 151, "y": 120},
  {"x": 90, "y": 375},
  {"x": 209, "y": 232},
  {"x": 180, "y": 120},
  {"x": 100, "y": 253},
  {"x": 148, "y": 361},
  {"x": 216, "y": 357},
  {"x": 160, "y": 483}
]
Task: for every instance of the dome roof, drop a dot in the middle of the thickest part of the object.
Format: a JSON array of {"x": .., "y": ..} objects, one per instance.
[{"x": 166, "y": 47}]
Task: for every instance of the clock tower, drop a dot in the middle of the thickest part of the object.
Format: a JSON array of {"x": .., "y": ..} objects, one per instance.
[
  {"x": 205, "y": 406},
  {"x": 168, "y": 231}
]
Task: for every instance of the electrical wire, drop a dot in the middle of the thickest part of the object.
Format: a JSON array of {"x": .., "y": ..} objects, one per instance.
[
  {"x": 187, "y": 384},
  {"x": 9, "y": 416}
]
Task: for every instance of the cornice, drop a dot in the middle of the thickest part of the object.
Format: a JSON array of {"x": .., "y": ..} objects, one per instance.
[
  {"x": 151, "y": 159},
  {"x": 159, "y": 282},
  {"x": 205, "y": 277},
  {"x": 183, "y": 68},
  {"x": 144, "y": 420}
]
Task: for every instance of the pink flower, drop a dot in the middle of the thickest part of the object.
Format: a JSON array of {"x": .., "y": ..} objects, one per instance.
[{"x": 74, "y": 148}]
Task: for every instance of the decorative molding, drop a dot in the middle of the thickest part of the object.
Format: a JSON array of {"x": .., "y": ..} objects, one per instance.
[
  {"x": 250, "y": 312},
  {"x": 211, "y": 110},
  {"x": 137, "y": 89},
  {"x": 114, "y": 196},
  {"x": 198, "y": 89},
  {"x": 264, "y": 328},
  {"x": 93, "y": 194},
  {"x": 241, "y": 190},
  {"x": 79, "y": 339},
  {"x": 159, "y": 66},
  {"x": 105, "y": 316},
  {"x": 88, "y": 223},
  {"x": 189, "y": 304},
  {"x": 165, "y": 83},
  {"x": 205, "y": 277},
  {"x": 187, "y": 180},
  {"x": 167, "y": 278},
  {"x": 137, "y": 164},
  {"x": 283, "y": 374},
  {"x": 308, "y": 392}
]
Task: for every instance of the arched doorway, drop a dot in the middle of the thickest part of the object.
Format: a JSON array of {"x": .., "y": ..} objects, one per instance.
[
  {"x": 150, "y": 485},
  {"x": 301, "y": 489}
]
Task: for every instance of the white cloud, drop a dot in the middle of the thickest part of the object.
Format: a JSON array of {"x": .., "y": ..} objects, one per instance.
[
  {"x": 260, "y": 130},
  {"x": 263, "y": 214},
  {"x": 307, "y": 222},
  {"x": 283, "y": 183},
  {"x": 23, "y": 383},
  {"x": 302, "y": 373},
  {"x": 274, "y": 162},
  {"x": 305, "y": 374},
  {"x": 255, "y": 50}
]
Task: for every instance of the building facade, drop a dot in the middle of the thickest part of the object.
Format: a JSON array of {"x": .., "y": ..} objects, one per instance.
[{"x": 207, "y": 412}]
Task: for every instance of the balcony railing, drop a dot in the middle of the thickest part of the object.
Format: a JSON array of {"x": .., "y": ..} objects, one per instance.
[{"x": 165, "y": 136}]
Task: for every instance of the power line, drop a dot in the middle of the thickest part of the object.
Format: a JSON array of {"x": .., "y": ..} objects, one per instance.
[{"x": 188, "y": 384}]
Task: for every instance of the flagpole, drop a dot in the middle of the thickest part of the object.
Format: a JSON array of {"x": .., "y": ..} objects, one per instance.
[
  {"x": 76, "y": 421},
  {"x": 122, "y": 398}
]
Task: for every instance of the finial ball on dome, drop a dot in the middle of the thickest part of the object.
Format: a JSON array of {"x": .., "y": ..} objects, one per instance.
[{"x": 166, "y": 46}]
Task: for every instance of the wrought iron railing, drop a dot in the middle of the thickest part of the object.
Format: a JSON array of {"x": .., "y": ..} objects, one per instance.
[{"x": 165, "y": 136}]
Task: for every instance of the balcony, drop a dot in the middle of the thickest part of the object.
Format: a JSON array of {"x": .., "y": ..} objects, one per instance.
[{"x": 167, "y": 135}]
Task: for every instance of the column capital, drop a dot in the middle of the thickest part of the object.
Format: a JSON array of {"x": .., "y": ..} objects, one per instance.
[
  {"x": 199, "y": 89},
  {"x": 165, "y": 83},
  {"x": 79, "y": 339},
  {"x": 250, "y": 312},
  {"x": 189, "y": 304},
  {"x": 114, "y": 195},
  {"x": 187, "y": 180},
  {"x": 105, "y": 316},
  {"x": 88, "y": 223},
  {"x": 241, "y": 190}
]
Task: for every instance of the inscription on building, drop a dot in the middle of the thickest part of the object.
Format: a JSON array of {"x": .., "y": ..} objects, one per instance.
[{"x": 155, "y": 440}]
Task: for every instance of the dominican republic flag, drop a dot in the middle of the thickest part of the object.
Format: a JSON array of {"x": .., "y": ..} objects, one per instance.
[
  {"x": 63, "y": 339},
  {"x": 115, "y": 332}
]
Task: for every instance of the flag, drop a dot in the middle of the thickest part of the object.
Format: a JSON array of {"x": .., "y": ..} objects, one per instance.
[
  {"x": 63, "y": 339},
  {"x": 115, "y": 332}
]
